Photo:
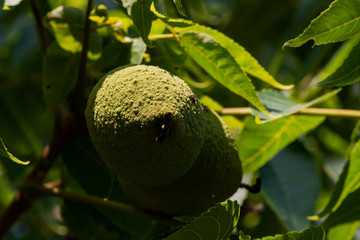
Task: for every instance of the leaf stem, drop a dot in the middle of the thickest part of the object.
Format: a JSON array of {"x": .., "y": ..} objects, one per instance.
[
  {"x": 44, "y": 39},
  {"x": 101, "y": 202},
  {"x": 349, "y": 113}
]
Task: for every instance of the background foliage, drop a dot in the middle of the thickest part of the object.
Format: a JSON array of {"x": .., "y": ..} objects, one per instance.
[{"x": 278, "y": 56}]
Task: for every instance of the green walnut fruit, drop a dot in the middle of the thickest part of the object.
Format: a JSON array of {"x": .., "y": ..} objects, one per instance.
[
  {"x": 146, "y": 124},
  {"x": 214, "y": 177}
]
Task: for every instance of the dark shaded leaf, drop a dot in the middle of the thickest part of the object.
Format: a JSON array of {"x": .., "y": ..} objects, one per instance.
[
  {"x": 286, "y": 179},
  {"x": 179, "y": 7},
  {"x": 347, "y": 73},
  {"x": 139, "y": 11},
  {"x": 86, "y": 167},
  {"x": 59, "y": 75},
  {"x": 313, "y": 233},
  {"x": 348, "y": 211}
]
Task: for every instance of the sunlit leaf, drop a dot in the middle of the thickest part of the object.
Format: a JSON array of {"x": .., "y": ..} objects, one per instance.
[
  {"x": 313, "y": 233},
  {"x": 217, "y": 223},
  {"x": 347, "y": 73},
  {"x": 280, "y": 180},
  {"x": 59, "y": 75},
  {"x": 139, "y": 11},
  {"x": 138, "y": 49},
  {"x": 218, "y": 62},
  {"x": 247, "y": 62},
  {"x": 8, "y": 4},
  {"x": 348, "y": 211},
  {"x": 343, "y": 231},
  {"x": 258, "y": 143},
  {"x": 337, "y": 23},
  {"x": 67, "y": 24},
  {"x": 280, "y": 105},
  {"x": 99, "y": 14},
  {"x": 5, "y": 153}
]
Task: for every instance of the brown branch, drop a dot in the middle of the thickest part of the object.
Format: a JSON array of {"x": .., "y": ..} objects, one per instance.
[
  {"x": 65, "y": 131},
  {"x": 101, "y": 202},
  {"x": 44, "y": 39}
]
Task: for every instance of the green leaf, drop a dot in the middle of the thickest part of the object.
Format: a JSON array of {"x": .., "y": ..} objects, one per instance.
[
  {"x": 348, "y": 211},
  {"x": 343, "y": 231},
  {"x": 348, "y": 182},
  {"x": 258, "y": 143},
  {"x": 59, "y": 75},
  {"x": 313, "y": 233},
  {"x": 67, "y": 24},
  {"x": 338, "y": 58},
  {"x": 337, "y": 23},
  {"x": 139, "y": 11},
  {"x": 217, "y": 223},
  {"x": 247, "y": 62},
  {"x": 280, "y": 180},
  {"x": 218, "y": 62},
  {"x": 352, "y": 181},
  {"x": 179, "y": 7},
  {"x": 93, "y": 225},
  {"x": 279, "y": 105},
  {"x": 82, "y": 161},
  {"x": 242, "y": 236},
  {"x": 5, "y": 153},
  {"x": 335, "y": 194},
  {"x": 138, "y": 49},
  {"x": 348, "y": 73},
  {"x": 8, "y": 4}
]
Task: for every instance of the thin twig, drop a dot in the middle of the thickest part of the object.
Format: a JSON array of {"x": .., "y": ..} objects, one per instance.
[
  {"x": 349, "y": 113},
  {"x": 101, "y": 202},
  {"x": 44, "y": 39}
]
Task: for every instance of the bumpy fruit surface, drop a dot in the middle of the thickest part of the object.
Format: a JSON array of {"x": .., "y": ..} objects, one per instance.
[
  {"x": 146, "y": 124},
  {"x": 214, "y": 177}
]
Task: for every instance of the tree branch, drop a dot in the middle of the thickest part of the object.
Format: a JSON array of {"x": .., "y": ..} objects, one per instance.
[
  {"x": 77, "y": 98},
  {"x": 65, "y": 130},
  {"x": 44, "y": 39},
  {"x": 42, "y": 191},
  {"x": 349, "y": 113}
]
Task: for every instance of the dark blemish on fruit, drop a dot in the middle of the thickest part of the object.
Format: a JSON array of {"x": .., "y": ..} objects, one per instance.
[{"x": 193, "y": 98}]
